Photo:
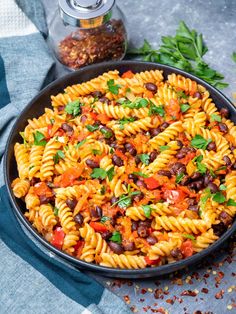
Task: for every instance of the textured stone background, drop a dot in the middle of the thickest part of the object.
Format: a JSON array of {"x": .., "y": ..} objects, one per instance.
[{"x": 212, "y": 283}]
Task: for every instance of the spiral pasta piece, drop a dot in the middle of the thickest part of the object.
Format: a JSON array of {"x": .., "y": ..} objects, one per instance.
[
  {"x": 47, "y": 215},
  {"x": 22, "y": 159},
  {"x": 20, "y": 187},
  {"x": 204, "y": 240},
  {"x": 122, "y": 261}
]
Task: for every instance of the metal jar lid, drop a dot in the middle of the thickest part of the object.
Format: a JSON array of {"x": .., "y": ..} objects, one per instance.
[{"x": 85, "y": 13}]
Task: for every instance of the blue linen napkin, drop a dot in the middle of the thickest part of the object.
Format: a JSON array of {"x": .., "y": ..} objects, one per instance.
[{"x": 32, "y": 279}]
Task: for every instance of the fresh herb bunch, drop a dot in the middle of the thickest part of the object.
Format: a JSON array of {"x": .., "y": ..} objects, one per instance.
[{"x": 185, "y": 51}]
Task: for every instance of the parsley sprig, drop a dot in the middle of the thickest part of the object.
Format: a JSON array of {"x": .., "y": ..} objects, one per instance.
[
  {"x": 185, "y": 51},
  {"x": 112, "y": 87},
  {"x": 74, "y": 108}
]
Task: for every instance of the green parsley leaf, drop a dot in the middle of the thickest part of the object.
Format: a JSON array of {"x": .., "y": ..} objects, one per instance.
[
  {"x": 164, "y": 147},
  {"x": 201, "y": 167},
  {"x": 184, "y": 107},
  {"x": 219, "y": 197},
  {"x": 103, "y": 190},
  {"x": 140, "y": 174},
  {"x": 153, "y": 109},
  {"x": 98, "y": 173},
  {"x": 116, "y": 237},
  {"x": 137, "y": 104},
  {"x": 221, "y": 168},
  {"x": 114, "y": 89},
  {"x": 144, "y": 158},
  {"x": 147, "y": 210},
  {"x": 110, "y": 173},
  {"x": 212, "y": 173},
  {"x": 231, "y": 202},
  {"x": 223, "y": 187},
  {"x": 78, "y": 145},
  {"x": 215, "y": 117},
  {"x": 106, "y": 132},
  {"x": 205, "y": 198},
  {"x": 59, "y": 155},
  {"x": 181, "y": 94},
  {"x": 39, "y": 139},
  {"x": 199, "y": 142},
  {"x": 52, "y": 121},
  {"x": 96, "y": 152},
  {"x": 198, "y": 158},
  {"x": 104, "y": 219},
  {"x": 55, "y": 210},
  {"x": 74, "y": 108},
  {"x": 126, "y": 120},
  {"x": 189, "y": 236},
  {"x": 124, "y": 202},
  {"x": 24, "y": 139},
  {"x": 179, "y": 177},
  {"x": 92, "y": 128},
  {"x": 31, "y": 167},
  {"x": 111, "y": 150}
]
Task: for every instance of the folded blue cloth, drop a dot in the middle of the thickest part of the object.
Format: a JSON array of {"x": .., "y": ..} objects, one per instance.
[{"x": 33, "y": 280}]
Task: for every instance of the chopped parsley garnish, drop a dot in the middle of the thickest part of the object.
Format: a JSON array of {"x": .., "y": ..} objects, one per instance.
[
  {"x": 110, "y": 173},
  {"x": 199, "y": 142},
  {"x": 99, "y": 173},
  {"x": 74, "y": 108},
  {"x": 92, "y": 128},
  {"x": 147, "y": 210},
  {"x": 103, "y": 190},
  {"x": 164, "y": 147},
  {"x": 112, "y": 87},
  {"x": 184, "y": 107},
  {"x": 189, "y": 236},
  {"x": 181, "y": 94},
  {"x": 140, "y": 174},
  {"x": 104, "y": 219},
  {"x": 39, "y": 139},
  {"x": 78, "y": 145},
  {"x": 179, "y": 177},
  {"x": 116, "y": 237},
  {"x": 201, "y": 168},
  {"x": 125, "y": 200},
  {"x": 55, "y": 210},
  {"x": 153, "y": 109},
  {"x": 96, "y": 152},
  {"x": 59, "y": 155},
  {"x": 218, "y": 197},
  {"x": 137, "y": 104},
  {"x": 106, "y": 132},
  {"x": 222, "y": 187},
  {"x": 231, "y": 202},
  {"x": 144, "y": 158},
  {"x": 215, "y": 117}
]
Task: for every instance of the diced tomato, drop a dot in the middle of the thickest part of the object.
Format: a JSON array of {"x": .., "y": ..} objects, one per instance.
[
  {"x": 174, "y": 196},
  {"x": 173, "y": 109},
  {"x": 79, "y": 247},
  {"x": 58, "y": 238},
  {"x": 187, "y": 248},
  {"x": 60, "y": 132},
  {"x": 93, "y": 115},
  {"x": 151, "y": 183},
  {"x": 187, "y": 158},
  {"x": 70, "y": 175},
  {"x": 98, "y": 226},
  {"x": 157, "y": 195},
  {"x": 148, "y": 94},
  {"x": 120, "y": 154},
  {"x": 187, "y": 191},
  {"x": 86, "y": 109},
  {"x": 82, "y": 136},
  {"x": 151, "y": 262},
  {"x": 41, "y": 188},
  {"x": 127, "y": 74},
  {"x": 103, "y": 118}
]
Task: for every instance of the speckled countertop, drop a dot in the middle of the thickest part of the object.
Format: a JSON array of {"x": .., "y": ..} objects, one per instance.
[{"x": 211, "y": 286}]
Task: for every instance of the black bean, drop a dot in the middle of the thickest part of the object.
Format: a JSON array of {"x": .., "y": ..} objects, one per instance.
[
  {"x": 151, "y": 87},
  {"x": 225, "y": 218},
  {"x": 121, "y": 149},
  {"x": 155, "y": 132},
  {"x": 227, "y": 160},
  {"x": 224, "y": 112},
  {"x": 134, "y": 225},
  {"x": 137, "y": 159},
  {"x": 117, "y": 161},
  {"x": 232, "y": 148},
  {"x": 67, "y": 128},
  {"x": 138, "y": 197},
  {"x": 176, "y": 253},
  {"x": 223, "y": 127},
  {"x": 141, "y": 183},
  {"x": 131, "y": 149},
  {"x": 165, "y": 173},
  {"x": 153, "y": 156},
  {"x": 71, "y": 203},
  {"x": 129, "y": 246},
  {"x": 219, "y": 228},
  {"x": 104, "y": 100},
  {"x": 207, "y": 178},
  {"x": 116, "y": 247},
  {"x": 60, "y": 108},
  {"x": 34, "y": 180},
  {"x": 211, "y": 146},
  {"x": 97, "y": 94},
  {"x": 99, "y": 211},
  {"x": 164, "y": 126},
  {"x": 133, "y": 177},
  {"x": 44, "y": 199},
  {"x": 151, "y": 240},
  {"x": 234, "y": 166},
  {"x": 143, "y": 231},
  {"x": 106, "y": 235},
  {"x": 79, "y": 219},
  {"x": 180, "y": 144},
  {"x": 180, "y": 155},
  {"x": 194, "y": 208},
  {"x": 92, "y": 163},
  {"x": 196, "y": 175},
  {"x": 178, "y": 168},
  {"x": 145, "y": 223},
  {"x": 114, "y": 200},
  {"x": 110, "y": 140},
  {"x": 107, "y": 132},
  {"x": 213, "y": 187},
  {"x": 196, "y": 185},
  {"x": 197, "y": 95}
]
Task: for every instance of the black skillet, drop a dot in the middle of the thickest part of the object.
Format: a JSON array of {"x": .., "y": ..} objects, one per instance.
[{"x": 36, "y": 107}]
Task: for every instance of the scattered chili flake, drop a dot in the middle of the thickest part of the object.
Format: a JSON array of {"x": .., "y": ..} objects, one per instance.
[
  {"x": 126, "y": 299},
  {"x": 219, "y": 295},
  {"x": 188, "y": 293},
  {"x": 204, "y": 290},
  {"x": 170, "y": 301},
  {"x": 143, "y": 290}
]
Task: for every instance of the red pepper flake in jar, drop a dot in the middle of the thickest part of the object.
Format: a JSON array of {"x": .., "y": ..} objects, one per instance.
[{"x": 188, "y": 293}]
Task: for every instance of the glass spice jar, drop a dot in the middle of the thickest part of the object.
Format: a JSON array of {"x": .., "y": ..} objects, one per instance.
[{"x": 84, "y": 32}]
